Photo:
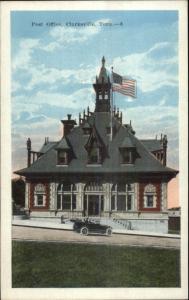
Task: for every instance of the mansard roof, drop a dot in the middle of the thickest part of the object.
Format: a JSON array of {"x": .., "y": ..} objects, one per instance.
[
  {"x": 127, "y": 142},
  {"x": 145, "y": 162},
  {"x": 153, "y": 144},
  {"x": 48, "y": 145},
  {"x": 63, "y": 144}
]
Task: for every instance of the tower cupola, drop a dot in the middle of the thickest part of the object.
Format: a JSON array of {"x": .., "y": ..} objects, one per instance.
[{"x": 102, "y": 89}]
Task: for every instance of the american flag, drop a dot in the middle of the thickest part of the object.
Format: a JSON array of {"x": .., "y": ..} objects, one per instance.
[{"x": 123, "y": 85}]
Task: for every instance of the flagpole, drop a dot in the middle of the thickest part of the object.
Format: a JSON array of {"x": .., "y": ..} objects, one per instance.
[{"x": 111, "y": 97}]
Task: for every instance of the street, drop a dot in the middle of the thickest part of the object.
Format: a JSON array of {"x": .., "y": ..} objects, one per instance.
[{"x": 65, "y": 236}]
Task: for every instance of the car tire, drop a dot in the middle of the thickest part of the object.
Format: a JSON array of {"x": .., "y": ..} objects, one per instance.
[
  {"x": 84, "y": 231},
  {"x": 109, "y": 231}
]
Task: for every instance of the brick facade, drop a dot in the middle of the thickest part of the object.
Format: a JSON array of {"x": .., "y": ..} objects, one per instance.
[{"x": 142, "y": 186}]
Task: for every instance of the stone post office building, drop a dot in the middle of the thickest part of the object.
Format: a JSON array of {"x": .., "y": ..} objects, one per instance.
[{"x": 98, "y": 172}]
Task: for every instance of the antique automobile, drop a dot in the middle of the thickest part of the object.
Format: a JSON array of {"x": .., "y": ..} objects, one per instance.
[{"x": 89, "y": 227}]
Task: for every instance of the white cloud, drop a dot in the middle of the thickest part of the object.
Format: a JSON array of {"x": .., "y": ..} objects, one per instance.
[
  {"x": 41, "y": 74},
  {"x": 155, "y": 120},
  {"x": 15, "y": 85},
  {"x": 75, "y": 101},
  {"x": 23, "y": 56},
  {"x": 62, "y": 36},
  {"x": 151, "y": 71}
]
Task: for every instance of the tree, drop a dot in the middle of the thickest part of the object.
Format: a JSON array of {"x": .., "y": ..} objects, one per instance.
[{"x": 18, "y": 191}]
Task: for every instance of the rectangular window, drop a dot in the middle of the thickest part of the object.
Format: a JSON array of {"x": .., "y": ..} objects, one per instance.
[
  {"x": 130, "y": 187},
  {"x": 102, "y": 203},
  {"x": 94, "y": 156},
  {"x": 73, "y": 201},
  {"x": 66, "y": 203},
  {"x": 59, "y": 204},
  {"x": 121, "y": 202},
  {"x": 113, "y": 202},
  {"x": 62, "y": 158},
  {"x": 149, "y": 201},
  {"x": 127, "y": 156},
  {"x": 129, "y": 202},
  {"x": 39, "y": 201}
]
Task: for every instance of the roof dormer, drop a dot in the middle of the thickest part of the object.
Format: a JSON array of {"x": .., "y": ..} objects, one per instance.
[
  {"x": 128, "y": 151},
  {"x": 64, "y": 152}
]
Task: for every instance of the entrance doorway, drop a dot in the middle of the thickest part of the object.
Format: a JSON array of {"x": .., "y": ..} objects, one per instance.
[
  {"x": 93, "y": 205},
  {"x": 93, "y": 199}
]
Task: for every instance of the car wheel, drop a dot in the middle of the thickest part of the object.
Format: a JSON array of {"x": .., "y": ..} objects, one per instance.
[
  {"x": 109, "y": 231},
  {"x": 84, "y": 231}
]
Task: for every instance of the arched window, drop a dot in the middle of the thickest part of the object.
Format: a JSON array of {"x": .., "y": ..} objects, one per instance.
[
  {"x": 39, "y": 195},
  {"x": 150, "y": 196},
  {"x": 66, "y": 196},
  {"x": 93, "y": 186}
]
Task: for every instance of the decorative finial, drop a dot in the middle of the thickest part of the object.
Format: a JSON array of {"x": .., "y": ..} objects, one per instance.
[
  {"x": 103, "y": 61},
  {"x": 28, "y": 144},
  {"x": 79, "y": 118}
]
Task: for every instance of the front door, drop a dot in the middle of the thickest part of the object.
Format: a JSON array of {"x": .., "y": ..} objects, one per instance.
[{"x": 93, "y": 205}]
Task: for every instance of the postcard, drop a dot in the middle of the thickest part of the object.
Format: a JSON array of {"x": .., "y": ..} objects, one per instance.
[{"x": 94, "y": 161}]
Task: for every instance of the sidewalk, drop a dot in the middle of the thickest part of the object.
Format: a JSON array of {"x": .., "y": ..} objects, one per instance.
[{"x": 69, "y": 226}]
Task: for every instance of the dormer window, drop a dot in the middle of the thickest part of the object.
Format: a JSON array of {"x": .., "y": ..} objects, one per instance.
[
  {"x": 94, "y": 156},
  {"x": 95, "y": 147},
  {"x": 87, "y": 129},
  {"x": 64, "y": 152},
  {"x": 127, "y": 156},
  {"x": 62, "y": 157}
]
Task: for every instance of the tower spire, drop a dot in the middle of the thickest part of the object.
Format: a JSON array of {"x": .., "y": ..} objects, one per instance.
[
  {"x": 102, "y": 88},
  {"x": 103, "y": 61}
]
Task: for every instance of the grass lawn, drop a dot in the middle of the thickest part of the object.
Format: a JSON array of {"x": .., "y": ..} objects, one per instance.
[{"x": 38, "y": 264}]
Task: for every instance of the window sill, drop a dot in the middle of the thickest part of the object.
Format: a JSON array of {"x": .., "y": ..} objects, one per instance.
[
  {"x": 94, "y": 165},
  {"x": 150, "y": 207},
  {"x": 62, "y": 165}
]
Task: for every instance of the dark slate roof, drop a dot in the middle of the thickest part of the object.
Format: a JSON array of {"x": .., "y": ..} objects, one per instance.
[
  {"x": 153, "y": 144},
  {"x": 47, "y": 146},
  {"x": 63, "y": 144},
  {"x": 145, "y": 161},
  {"x": 127, "y": 142}
]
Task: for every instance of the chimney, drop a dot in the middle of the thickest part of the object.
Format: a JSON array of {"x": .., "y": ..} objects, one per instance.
[
  {"x": 68, "y": 125},
  {"x": 165, "y": 150},
  {"x": 28, "y": 143}
]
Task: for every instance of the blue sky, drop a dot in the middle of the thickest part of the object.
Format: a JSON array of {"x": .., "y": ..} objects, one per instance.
[{"x": 53, "y": 68}]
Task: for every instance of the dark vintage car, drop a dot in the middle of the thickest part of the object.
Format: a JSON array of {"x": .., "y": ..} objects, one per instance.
[{"x": 88, "y": 227}]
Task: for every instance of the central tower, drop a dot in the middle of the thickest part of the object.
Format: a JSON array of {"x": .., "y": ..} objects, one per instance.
[{"x": 102, "y": 89}]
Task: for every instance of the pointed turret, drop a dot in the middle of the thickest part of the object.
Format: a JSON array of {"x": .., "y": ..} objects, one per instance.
[{"x": 102, "y": 88}]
